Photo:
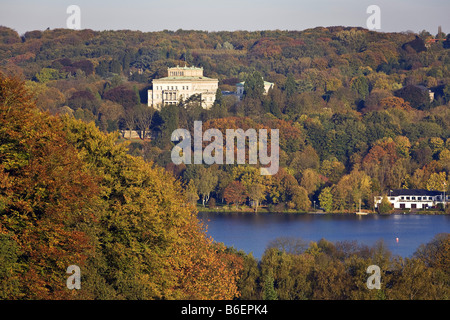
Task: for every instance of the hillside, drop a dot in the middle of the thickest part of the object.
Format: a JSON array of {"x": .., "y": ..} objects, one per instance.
[{"x": 355, "y": 120}]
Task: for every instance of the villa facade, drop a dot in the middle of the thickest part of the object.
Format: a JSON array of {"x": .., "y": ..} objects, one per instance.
[{"x": 181, "y": 84}]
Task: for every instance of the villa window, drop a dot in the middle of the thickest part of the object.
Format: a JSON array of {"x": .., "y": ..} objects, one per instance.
[
  {"x": 419, "y": 198},
  {"x": 408, "y": 198}
]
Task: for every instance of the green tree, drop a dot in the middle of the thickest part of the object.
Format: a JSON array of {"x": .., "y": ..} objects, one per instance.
[
  {"x": 384, "y": 206},
  {"x": 269, "y": 292},
  {"x": 361, "y": 86},
  {"x": 254, "y": 86},
  {"x": 47, "y": 74},
  {"x": 290, "y": 86},
  {"x": 326, "y": 199}
]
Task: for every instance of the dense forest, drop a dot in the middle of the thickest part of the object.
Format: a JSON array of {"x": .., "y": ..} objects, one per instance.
[
  {"x": 355, "y": 117},
  {"x": 353, "y": 106}
]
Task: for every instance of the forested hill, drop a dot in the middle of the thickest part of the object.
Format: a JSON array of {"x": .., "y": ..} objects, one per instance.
[{"x": 353, "y": 106}]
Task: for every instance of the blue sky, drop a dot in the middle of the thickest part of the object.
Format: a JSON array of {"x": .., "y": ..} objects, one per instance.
[{"x": 212, "y": 15}]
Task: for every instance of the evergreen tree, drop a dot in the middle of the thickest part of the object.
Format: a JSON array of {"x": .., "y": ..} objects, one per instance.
[
  {"x": 290, "y": 86},
  {"x": 254, "y": 85},
  {"x": 269, "y": 292}
]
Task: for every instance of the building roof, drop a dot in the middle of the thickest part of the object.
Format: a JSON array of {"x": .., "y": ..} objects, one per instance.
[
  {"x": 186, "y": 68},
  {"x": 413, "y": 192},
  {"x": 184, "y": 78}
]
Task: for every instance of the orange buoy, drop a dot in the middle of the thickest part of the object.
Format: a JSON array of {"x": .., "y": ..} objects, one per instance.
[{"x": 396, "y": 239}]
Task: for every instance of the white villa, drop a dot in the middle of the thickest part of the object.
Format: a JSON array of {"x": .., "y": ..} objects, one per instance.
[
  {"x": 413, "y": 198},
  {"x": 180, "y": 84}
]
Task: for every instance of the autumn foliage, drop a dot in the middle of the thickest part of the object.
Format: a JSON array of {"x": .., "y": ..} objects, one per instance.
[{"x": 70, "y": 195}]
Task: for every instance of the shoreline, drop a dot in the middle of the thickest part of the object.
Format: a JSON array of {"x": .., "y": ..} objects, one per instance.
[{"x": 201, "y": 209}]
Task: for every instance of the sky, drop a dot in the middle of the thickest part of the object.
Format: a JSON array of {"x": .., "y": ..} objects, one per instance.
[{"x": 225, "y": 15}]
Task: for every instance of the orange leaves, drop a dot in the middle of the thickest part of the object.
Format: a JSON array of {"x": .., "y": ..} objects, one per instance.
[
  {"x": 44, "y": 186},
  {"x": 70, "y": 195},
  {"x": 202, "y": 263}
]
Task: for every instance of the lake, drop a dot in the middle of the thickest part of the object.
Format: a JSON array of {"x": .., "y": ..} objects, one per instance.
[{"x": 252, "y": 232}]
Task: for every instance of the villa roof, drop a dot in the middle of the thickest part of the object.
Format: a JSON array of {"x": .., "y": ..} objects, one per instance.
[{"x": 178, "y": 78}]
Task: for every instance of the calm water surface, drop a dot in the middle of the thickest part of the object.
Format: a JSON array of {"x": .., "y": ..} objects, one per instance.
[{"x": 252, "y": 232}]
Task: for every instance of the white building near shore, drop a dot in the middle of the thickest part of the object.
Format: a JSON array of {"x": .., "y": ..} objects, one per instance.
[{"x": 413, "y": 198}]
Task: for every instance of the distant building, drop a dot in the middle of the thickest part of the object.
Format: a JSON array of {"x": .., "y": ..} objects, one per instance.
[
  {"x": 240, "y": 88},
  {"x": 426, "y": 91},
  {"x": 413, "y": 198},
  {"x": 180, "y": 84}
]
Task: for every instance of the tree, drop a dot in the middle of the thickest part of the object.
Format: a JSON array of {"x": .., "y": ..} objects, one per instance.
[
  {"x": 269, "y": 290},
  {"x": 332, "y": 169},
  {"x": 170, "y": 118},
  {"x": 47, "y": 191},
  {"x": 102, "y": 69},
  {"x": 205, "y": 182},
  {"x": 115, "y": 67},
  {"x": 326, "y": 199},
  {"x": 212, "y": 203},
  {"x": 191, "y": 193},
  {"x": 436, "y": 253},
  {"x": 438, "y": 182},
  {"x": 446, "y": 92},
  {"x": 130, "y": 119},
  {"x": 235, "y": 193},
  {"x": 219, "y": 110},
  {"x": 72, "y": 195},
  {"x": 300, "y": 198},
  {"x": 254, "y": 86},
  {"x": 144, "y": 117},
  {"x": 151, "y": 241},
  {"x": 417, "y": 96},
  {"x": 84, "y": 99},
  {"x": 352, "y": 189},
  {"x": 47, "y": 74},
  {"x": 311, "y": 180},
  {"x": 257, "y": 192},
  {"x": 122, "y": 95},
  {"x": 290, "y": 86},
  {"x": 384, "y": 206},
  {"x": 85, "y": 65},
  {"x": 361, "y": 86}
]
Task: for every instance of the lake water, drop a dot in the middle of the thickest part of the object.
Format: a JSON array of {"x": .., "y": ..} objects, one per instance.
[{"x": 252, "y": 232}]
